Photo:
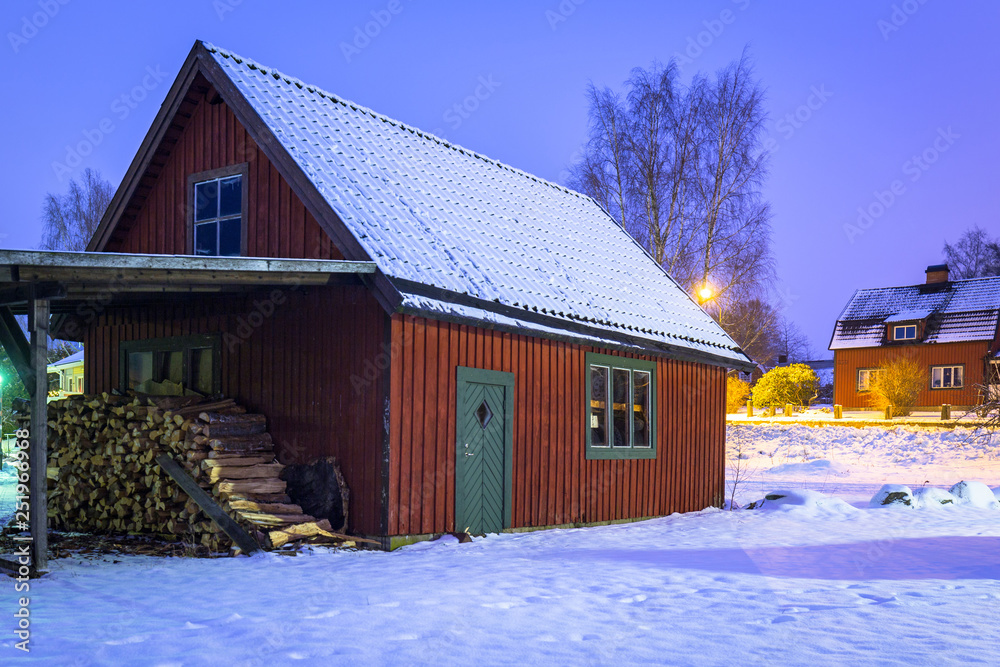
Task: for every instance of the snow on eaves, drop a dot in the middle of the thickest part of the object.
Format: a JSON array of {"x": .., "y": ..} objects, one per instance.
[{"x": 437, "y": 214}]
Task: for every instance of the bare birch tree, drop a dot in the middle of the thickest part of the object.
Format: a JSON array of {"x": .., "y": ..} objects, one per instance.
[
  {"x": 70, "y": 220},
  {"x": 681, "y": 167},
  {"x": 974, "y": 255}
]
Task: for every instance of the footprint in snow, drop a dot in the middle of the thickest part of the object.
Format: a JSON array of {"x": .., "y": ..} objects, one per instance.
[
  {"x": 194, "y": 626},
  {"x": 783, "y": 619},
  {"x": 634, "y": 598}
]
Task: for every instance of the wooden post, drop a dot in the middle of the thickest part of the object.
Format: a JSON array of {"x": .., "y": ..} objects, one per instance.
[
  {"x": 888, "y": 412},
  {"x": 750, "y": 408},
  {"x": 789, "y": 409},
  {"x": 838, "y": 412},
  {"x": 770, "y": 411},
  {"x": 38, "y": 515},
  {"x": 945, "y": 412}
]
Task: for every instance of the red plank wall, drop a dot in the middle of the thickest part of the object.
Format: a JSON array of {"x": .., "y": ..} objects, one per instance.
[
  {"x": 278, "y": 224},
  {"x": 553, "y": 482},
  {"x": 847, "y": 363},
  {"x": 307, "y": 367}
]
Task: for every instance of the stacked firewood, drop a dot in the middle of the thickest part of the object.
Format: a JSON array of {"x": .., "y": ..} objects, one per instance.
[{"x": 103, "y": 474}]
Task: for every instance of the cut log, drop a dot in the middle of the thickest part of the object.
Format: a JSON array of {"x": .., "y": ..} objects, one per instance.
[
  {"x": 237, "y": 460},
  {"x": 252, "y": 486},
  {"x": 261, "y": 471},
  {"x": 265, "y": 519},
  {"x": 249, "y": 443},
  {"x": 267, "y": 508}
]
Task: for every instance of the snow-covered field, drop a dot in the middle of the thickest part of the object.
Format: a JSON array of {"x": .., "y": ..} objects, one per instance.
[{"x": 827, "y": 583}]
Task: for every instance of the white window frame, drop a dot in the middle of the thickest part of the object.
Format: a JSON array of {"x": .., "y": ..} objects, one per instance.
[
  {"x": 865, "y": 377},
  {"x": 897, "y": 336},
  {"x": 938, "y": 376}
]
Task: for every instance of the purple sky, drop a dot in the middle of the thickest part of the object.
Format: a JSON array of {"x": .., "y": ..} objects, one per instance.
[{"x": 887, "y": 81}]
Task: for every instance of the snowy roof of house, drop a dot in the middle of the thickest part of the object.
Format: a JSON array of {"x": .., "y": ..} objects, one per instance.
[
  {"x": 957, "y": 311},
  {"x": 490, "y": 241},
  {"x": 76, "y": 357}
]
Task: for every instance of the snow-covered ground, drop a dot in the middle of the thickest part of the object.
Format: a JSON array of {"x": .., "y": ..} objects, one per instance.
[{"x": 827, "y": 583}]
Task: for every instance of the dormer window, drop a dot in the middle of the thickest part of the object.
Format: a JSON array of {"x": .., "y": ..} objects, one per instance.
[
  {"x": 904, "y": 332},
  {"x": 218, "y": 200}
]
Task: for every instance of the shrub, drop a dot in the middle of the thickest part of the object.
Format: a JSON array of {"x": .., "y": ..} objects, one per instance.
[
  {"x": 795, "y": 384},
  {"x": 737, "y": 392},
  {"x": 898, "y": 384}
]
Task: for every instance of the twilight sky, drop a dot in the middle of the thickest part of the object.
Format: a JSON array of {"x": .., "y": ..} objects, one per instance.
[{"x": 883, "y": 113}]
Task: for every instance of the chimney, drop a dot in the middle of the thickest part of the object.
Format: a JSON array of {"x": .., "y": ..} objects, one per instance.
[{"x": 937, "y": 273}]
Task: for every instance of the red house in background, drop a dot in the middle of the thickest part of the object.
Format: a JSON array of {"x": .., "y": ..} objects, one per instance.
[
  {"x": 948, "y": 326},
  {"x": 494, "y": 351}
]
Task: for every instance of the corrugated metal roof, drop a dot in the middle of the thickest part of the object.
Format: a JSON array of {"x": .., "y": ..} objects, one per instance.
[
  {"x": 437, "y": 214},
  {"x": 957, "y": 311}
]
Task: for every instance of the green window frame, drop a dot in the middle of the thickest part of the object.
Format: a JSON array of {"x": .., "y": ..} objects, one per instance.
[{"x": 628, "y": 387}]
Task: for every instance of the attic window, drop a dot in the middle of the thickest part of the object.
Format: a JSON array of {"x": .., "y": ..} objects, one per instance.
[
  {"x": 218, "y": 199},
  {"x": 905, "y": 332}
]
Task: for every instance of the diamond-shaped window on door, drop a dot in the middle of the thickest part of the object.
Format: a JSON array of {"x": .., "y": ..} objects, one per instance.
[{"x": 484, "y": 414}]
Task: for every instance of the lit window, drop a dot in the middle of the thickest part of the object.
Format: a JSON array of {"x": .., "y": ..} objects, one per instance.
[
  {"x": 621, "y": 408},
  {"x": 906, "y": 332},
  {"x": 865, "y": 378},
  {"x": 947, "y": 377},
  {"x": 171, "y": 366},
  {"x": 218, "y": 210}
]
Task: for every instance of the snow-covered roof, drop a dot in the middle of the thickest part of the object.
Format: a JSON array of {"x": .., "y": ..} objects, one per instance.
[
  {"x": 76, "y": 357},
  {"x": 957, "y": 311},
  {"x": 909, "y": 315},
  {"x": 433, "y": 214}
]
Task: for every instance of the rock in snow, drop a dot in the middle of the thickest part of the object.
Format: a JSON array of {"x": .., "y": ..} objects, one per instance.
[
  {"x": 893, "y": 495},
  {"x": 976, "y": 494},
  {"x": 801, "y": 498},
  {"x": 931, "y": 496}
]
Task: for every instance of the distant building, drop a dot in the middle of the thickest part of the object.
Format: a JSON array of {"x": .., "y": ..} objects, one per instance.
[
  {"x": 947, "y": 326},
  {"x": 70, "y": 372}
]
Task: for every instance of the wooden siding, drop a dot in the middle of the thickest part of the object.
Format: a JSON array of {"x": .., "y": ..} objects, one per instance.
[
  {"x": 311, "y": 367},
  {"x": 847, "y": 363},
  {"x": 553, "y": 482},
  {"x": 277, "y": 223}
]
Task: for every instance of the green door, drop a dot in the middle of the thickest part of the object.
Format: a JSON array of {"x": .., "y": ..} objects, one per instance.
[{"x": 483, "y": 450}]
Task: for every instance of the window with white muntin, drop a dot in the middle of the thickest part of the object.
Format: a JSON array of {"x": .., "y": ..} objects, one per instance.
[
  {"x": 947, "y": 377},
  {"x": 865, "y": 378},
  {"x": 217, "y": 202},
  {"x": 904, "y": 332},
  {"x": 620, "y": 408}
]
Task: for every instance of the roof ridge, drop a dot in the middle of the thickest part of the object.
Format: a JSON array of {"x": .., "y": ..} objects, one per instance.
[
  {"x": 916, "y": 285},
  {"x": 252, "y": 64}
]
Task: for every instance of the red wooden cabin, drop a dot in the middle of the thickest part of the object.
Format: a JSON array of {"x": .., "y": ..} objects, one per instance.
[
  {"x": 514, "y": 360},
  {"x": 949, "y": 327}
]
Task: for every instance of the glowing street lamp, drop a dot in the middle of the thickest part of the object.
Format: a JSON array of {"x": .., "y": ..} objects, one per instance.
[{"x": 705, "y": 293}]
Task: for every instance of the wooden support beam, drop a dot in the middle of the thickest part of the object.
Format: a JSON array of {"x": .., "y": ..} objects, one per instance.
[
  {"x": 38, "y": 515},
  {"x": 208, "y": 505},
  {"x": 16, "y": 344}
]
